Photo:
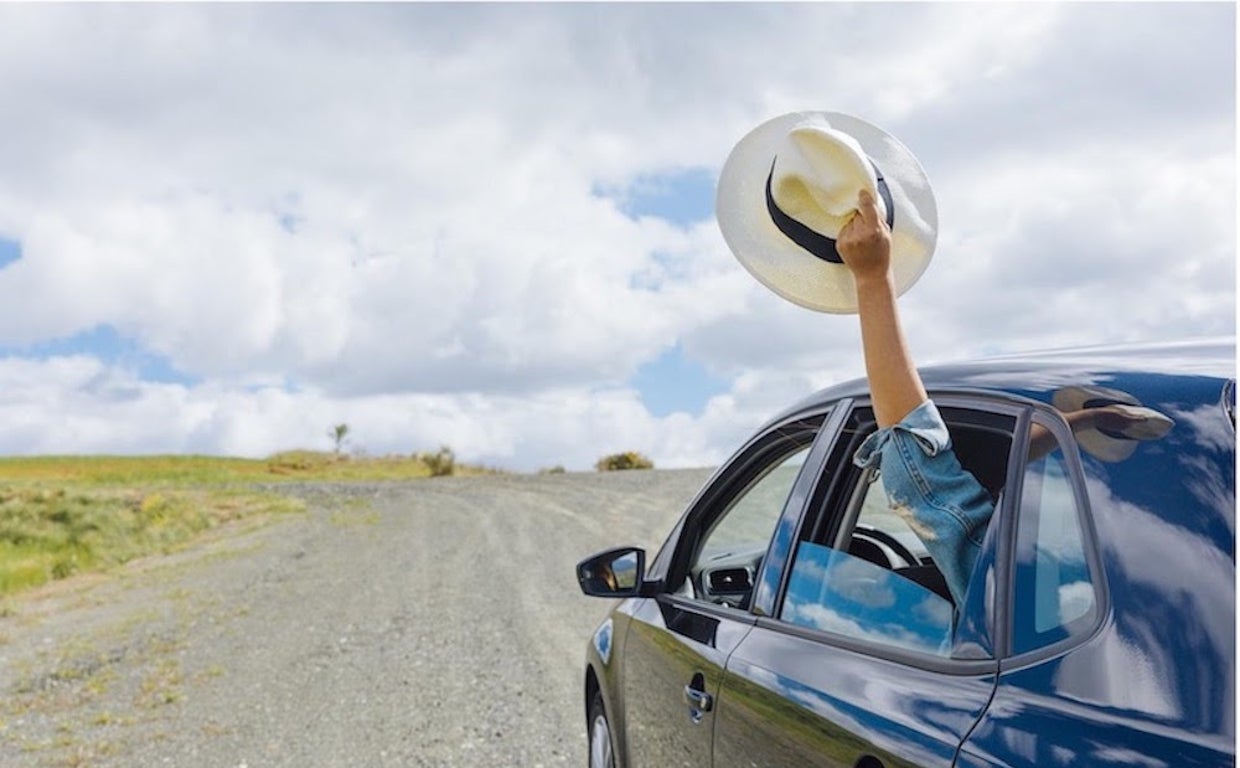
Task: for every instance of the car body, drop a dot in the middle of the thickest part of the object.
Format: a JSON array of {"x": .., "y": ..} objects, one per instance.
[{"x": 791, "y": 619}]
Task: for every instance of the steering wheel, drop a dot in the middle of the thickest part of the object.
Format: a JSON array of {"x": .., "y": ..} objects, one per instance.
[{"x": 903, "y": 552}]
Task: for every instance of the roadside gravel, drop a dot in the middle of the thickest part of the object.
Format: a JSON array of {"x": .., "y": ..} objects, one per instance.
[{"x": 430, "y": 623}]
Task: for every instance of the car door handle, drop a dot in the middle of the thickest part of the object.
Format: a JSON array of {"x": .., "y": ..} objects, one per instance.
[{"x": 699, "y": 700}]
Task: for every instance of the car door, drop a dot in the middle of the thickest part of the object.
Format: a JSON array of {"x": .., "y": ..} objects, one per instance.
[
  {"x": 678, "y": 641},
  {"x": 860, "y": 658},
  {"x": 1120, "y": 638}
]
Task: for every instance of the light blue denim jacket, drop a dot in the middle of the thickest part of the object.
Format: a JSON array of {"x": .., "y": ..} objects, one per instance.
[{"x": 939, "y": 499}]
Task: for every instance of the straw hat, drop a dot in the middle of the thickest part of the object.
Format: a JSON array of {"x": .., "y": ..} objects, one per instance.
[
  {"x": 789, "y": 187},
  {"x": 1142, "y": 423}
]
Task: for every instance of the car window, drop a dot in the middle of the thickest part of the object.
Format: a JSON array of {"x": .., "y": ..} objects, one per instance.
[
  {"x": 870, "y": 586},
  {"x": 833, "y": 591},
  {"x": 734, "y": 538},
  {"x": 861, "y": 571},
  {"x": 751, "y": 517},
  {"x": 1054, "y": 593}
]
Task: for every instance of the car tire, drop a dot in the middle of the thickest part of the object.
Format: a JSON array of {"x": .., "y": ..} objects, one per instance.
[{"x": 599, "y": 735}]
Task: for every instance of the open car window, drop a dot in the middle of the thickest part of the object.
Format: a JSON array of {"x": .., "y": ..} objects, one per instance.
[{"x": 861, "y": 571}]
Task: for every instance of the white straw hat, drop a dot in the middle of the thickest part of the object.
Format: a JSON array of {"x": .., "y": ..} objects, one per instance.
[
  {"x": 789, "y": 187},
  {"x": 1143, "y": 423}
]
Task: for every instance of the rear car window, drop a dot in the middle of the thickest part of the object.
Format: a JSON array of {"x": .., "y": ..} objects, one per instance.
[{"x": 1055, "y": 594}]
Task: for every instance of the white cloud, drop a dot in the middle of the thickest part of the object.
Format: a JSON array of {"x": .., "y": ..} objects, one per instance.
[
  {"x": 76, "y": 404},
  {"x": 394, "y": 208}
]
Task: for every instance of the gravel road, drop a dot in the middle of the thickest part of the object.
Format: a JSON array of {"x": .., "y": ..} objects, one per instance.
[{"x": 431, "y": 623}]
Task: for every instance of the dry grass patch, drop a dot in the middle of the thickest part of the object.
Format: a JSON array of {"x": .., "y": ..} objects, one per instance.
[{"x": 66, "y": 515}]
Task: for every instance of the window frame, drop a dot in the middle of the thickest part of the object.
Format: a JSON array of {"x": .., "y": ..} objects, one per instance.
[
  {"x": 826, "y": 491},
  {"x": 735, "y": 477},
  {"x": 1051, "y": 419}
]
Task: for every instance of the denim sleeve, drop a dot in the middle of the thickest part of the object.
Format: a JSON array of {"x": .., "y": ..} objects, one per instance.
[{"x": 939, "y": 499}]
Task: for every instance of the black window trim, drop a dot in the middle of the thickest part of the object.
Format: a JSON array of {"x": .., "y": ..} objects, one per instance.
[
  {"x": 715, "y": 610},
  {"x": 1228, "y": 401},
  {"x": 941, "y": 664}
]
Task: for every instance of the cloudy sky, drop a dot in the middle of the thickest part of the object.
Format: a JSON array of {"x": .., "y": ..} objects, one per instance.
[{"x": 226, "y": 228}]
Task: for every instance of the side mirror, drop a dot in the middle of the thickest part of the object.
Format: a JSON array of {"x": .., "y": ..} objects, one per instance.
[{"x": 614, "y": 573}]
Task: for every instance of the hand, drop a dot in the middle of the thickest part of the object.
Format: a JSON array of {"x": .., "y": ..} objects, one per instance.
[
  {"x": 865, "y": 241},
  {"x": 1133, "y": 422}
]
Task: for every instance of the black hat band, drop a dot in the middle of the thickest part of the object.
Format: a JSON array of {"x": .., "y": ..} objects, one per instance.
[{"x": 817, "y": 243}]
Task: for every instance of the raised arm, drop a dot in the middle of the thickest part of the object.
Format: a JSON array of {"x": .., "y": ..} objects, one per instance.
[{"x": 865, "y": 246}]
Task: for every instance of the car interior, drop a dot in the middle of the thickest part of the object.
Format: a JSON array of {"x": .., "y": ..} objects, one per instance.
[
  {"x": 725, "y": 572},
  {"x": 870, "y": 531}
]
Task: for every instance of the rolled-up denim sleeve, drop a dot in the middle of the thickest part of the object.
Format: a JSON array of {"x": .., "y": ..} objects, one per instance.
[{"x": 939, "y": 499}]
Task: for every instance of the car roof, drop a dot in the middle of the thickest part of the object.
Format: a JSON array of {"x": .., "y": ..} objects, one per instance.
[{"x": 1146, "y": 371}]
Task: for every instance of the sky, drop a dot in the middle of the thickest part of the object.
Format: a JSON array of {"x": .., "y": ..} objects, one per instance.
[{"x": 225, "y": 229}]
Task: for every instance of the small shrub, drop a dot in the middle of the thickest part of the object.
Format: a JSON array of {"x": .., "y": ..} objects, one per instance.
[
  {"x": 626, "y": 460},
  {"x": 338, "y": 435},
  {"x": 441, "y": 464},
  {"x": 556, "y": 470}
]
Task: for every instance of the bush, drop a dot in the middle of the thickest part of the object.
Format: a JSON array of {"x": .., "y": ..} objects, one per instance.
[
  {"x": 626, "y": 460},
  {"x": 558, "y": 469},
  {"x": 441, "y": 463}
]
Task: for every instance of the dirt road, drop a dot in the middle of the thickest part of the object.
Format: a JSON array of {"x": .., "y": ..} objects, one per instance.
[{"x": 435, "y": 623}]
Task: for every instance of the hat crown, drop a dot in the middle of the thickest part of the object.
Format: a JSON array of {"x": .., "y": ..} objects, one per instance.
[{"x": 817, "y": 175}]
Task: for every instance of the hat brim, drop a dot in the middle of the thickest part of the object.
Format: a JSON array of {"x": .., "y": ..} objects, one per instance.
[
  {"x": 1148, "y": 423},
  {"x": 785, "y": 267}
]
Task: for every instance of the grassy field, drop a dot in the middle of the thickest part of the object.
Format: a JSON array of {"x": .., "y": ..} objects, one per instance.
[{"x": 62, "y": 515}]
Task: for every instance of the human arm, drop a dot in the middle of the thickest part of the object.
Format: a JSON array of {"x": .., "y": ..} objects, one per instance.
[
  {"x": 942, "y": 503},
  {"x": 865, "y": 246}
]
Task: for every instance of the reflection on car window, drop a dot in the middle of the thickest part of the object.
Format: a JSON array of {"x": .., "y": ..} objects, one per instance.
[
  {"x": 725, "y": 566},
  {"x": 833, "y": 591},
  {"x": 1055, "y": 596},
  {"x": 752, "y": 516}
]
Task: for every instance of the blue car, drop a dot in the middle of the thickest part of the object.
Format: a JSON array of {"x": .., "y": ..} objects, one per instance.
[{"x": 793, "y": 618}]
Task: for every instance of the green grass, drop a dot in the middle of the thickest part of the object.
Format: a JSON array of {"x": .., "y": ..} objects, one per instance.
[
  {"x": 49, "y": 532},
  {"x": 64, "y": 515},
  {"x": 159, "y": 470}
]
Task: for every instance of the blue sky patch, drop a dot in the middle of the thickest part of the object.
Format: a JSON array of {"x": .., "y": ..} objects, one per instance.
[
  {"x": 664, "y": 269},
  {"x": 683, "y": 197},
  {"x": 10, "y": 251},
  {"x": 105, "y": 343},
  {"x": 290, "y": 222},
  {"x": 674, "y": 383}
]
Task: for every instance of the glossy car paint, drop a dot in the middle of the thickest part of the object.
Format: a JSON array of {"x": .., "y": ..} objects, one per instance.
[
  {"x": 1151, "y": 684},
  {"x": 1157, "y": 678},
  {"x": 668, "y": 649},
  {"x": 788, "y": 700}
]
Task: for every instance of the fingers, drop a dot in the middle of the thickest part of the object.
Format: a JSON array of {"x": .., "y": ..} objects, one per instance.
[
  {"x": 865, "y": 217},
  {"x": 867, "y": 206},
  {"x": 864, "y": 243}
]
